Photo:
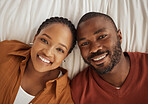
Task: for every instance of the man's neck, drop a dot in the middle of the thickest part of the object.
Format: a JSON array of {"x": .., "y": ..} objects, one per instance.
[{"x": 119, "y": 73}]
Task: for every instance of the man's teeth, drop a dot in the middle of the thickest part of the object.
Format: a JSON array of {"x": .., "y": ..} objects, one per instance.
[
  {"x": 99, "y": 58},
  {"x": 44, "y": 60}
]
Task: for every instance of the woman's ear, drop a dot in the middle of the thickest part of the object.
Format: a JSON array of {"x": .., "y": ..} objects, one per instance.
[
  {"x": 67, "y": 54},
  {"x": 119, "y": 35},
  {"x": 31, "y": 44},
  {"x": 34, "y": 38}
]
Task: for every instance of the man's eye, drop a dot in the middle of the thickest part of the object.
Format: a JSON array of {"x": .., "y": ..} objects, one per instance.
[
  {"x": 102, "y": 36},
  {"x": 44, "y": 40},
  {"x": 60, "y": 50},
  {"x": 85, "y": 43}
]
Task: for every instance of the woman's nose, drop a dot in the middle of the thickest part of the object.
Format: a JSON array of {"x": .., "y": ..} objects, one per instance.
[{"x": 49, "y": 51}]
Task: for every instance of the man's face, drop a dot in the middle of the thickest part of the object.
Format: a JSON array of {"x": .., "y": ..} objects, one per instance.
[{"x": 99, "y": 44}]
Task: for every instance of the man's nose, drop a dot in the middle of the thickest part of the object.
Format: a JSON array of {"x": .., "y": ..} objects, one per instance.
[{"x": 94, "y": 47}]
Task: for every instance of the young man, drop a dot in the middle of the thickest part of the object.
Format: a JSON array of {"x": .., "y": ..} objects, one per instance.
[{"x": 113, "y": 76}]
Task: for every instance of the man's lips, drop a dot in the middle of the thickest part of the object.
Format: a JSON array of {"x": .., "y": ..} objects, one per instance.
[{"x": 98, "y": 57}]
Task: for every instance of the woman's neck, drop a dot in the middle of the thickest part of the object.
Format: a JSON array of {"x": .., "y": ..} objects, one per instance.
[{"x": 33, "y": 81}]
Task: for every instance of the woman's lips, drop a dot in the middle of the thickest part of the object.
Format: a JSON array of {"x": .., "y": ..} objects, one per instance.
[{"x": 44, "y": 59}]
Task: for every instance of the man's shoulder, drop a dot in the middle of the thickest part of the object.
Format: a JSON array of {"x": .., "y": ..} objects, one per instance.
[
  {"x": 138, "y": 58},
  {"x": 81, "y": 79},
  {"x": 137, "y": 55},
  {"x": 82, "y": 74},
  {"x": 79, "y": 82}
]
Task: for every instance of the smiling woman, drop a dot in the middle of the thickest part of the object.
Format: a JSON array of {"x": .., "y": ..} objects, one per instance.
[
  {"x": 51, "y": 46},
  {"x": 37, "y": 77}
]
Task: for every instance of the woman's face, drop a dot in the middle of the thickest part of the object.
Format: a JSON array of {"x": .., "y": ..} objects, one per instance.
[{"x": 50, "y": 47}]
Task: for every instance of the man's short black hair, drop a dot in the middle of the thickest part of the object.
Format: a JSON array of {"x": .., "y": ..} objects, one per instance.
[
  {"x": 90, "y": 15},
  {"x": 61, "y": 20}
]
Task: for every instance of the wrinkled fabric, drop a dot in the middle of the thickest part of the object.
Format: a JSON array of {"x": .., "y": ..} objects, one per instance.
[
  {"x": 20, "y": 19},
  {"x": 89, "y": 88},
  {"x": 14, "y": 56}
]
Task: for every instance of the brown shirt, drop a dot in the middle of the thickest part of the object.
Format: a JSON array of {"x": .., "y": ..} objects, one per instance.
[{"x": 13, "y": 59}]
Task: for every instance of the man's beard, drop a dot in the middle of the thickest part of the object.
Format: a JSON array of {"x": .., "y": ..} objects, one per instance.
[{"x": 115, "y": 59}]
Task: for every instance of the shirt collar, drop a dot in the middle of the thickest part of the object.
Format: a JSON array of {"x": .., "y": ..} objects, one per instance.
[{"x": 60, "y": 82}]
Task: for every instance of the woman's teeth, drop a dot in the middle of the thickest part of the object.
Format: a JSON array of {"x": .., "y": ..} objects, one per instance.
[
  {"x": 44, "y": 60},
  {"x": 97, "y": 59}
]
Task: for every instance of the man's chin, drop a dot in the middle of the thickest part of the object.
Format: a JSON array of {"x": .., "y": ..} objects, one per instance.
[
  {"x": 100, "y": 65},
  {"x": 101, "y": 69}
]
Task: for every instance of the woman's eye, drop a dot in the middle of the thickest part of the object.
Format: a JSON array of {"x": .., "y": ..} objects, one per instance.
[
  {"x": 102, "y": 36},
  {"x": 60, "y": 50},
  {"x": 44, "y": 40},
  {"x": 85, "y": 43}
]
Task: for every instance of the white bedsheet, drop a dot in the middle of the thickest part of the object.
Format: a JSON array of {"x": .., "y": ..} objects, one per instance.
[{"x": 20, "y": 19}]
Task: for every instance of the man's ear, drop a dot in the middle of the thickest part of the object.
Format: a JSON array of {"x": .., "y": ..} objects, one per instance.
[{"x": 119, "y": 35}]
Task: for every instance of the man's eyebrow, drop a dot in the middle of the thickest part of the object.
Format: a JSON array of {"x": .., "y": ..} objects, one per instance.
[
  {"x": 81, "y": 39},
  {"x": 51, "y": 38},
  {"x": 100, "y": 30},
  {"x": 47, "y": 36}
]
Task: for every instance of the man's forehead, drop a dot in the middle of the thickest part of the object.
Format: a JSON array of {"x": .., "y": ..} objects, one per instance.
[
  {"x": 90, "y": 24},
  {"x": 95, "y": 23},
  {"x": 93, "y": 20}
]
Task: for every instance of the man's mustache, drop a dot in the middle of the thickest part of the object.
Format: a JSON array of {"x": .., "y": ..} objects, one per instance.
[{"x": 97, "y": 53}]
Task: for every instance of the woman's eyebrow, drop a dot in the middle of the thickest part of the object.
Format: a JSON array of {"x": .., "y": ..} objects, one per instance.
[
  {"x": 63, "y": 45},
  {"x": 47, "y": 36},
  {"x": 51, "y": 39}
]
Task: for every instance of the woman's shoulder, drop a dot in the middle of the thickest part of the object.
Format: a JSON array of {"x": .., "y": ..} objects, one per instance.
[
  {"x": 11, "y": 43},
  {"x": 12, "y": 46},
  {"x": 7, "y": 46}
]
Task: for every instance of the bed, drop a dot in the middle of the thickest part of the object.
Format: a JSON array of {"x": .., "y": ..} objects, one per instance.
[{"x": 20, "y": 19}]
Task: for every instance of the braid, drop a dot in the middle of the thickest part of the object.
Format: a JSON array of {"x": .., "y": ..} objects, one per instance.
[{"x": 61, "y": 20}]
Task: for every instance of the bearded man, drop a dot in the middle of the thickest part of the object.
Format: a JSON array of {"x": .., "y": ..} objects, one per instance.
[{"x": 113, "y": 76}]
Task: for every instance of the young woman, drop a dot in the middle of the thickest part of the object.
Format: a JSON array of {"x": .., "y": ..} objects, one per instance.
[{"x": 32, "y": 74}]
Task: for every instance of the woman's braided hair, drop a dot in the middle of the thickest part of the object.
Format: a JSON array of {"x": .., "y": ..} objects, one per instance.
[{"x": 62, "y": 20}]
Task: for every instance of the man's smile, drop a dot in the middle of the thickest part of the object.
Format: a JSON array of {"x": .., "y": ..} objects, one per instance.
[{"x": 99, "y": 59}]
